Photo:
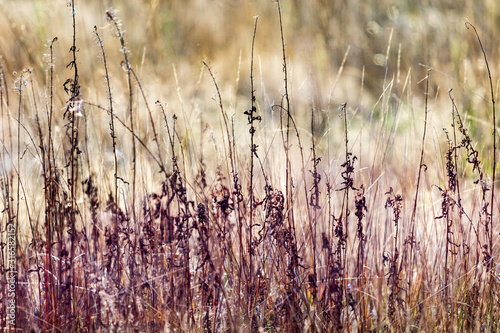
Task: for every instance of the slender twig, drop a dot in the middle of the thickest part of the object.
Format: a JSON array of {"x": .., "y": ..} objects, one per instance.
[
  {"x": 489, "y": 254},
  {"x": 128, "y": 67},
  {"x": 253, "y": 150},
  {"x": 111, "y": 118},
  {"x": 49, "y": 194},
  {"x": 18, "y": 189},
  {"x": 411, "y": 238},
  {"x": 286, "y": 107},
  {"x": 74, "y": 151},
  {"x": 348, "y": 184}
]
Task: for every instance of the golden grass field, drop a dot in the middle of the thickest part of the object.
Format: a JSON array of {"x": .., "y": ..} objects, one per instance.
[{"x": 249, "y": 166}]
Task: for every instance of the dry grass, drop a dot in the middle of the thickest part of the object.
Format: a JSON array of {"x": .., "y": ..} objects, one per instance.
[{"x": 193, "y": 169}]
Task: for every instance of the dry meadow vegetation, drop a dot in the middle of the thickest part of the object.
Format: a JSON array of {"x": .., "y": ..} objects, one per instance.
[{"x": 249, "y": 166}]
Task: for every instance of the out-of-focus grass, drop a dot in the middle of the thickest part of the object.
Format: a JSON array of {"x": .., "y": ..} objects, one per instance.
[{"x": 317, "y": 33}]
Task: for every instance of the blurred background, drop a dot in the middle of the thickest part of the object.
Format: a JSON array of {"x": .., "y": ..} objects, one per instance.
[{"x": 383, "y": 38}]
